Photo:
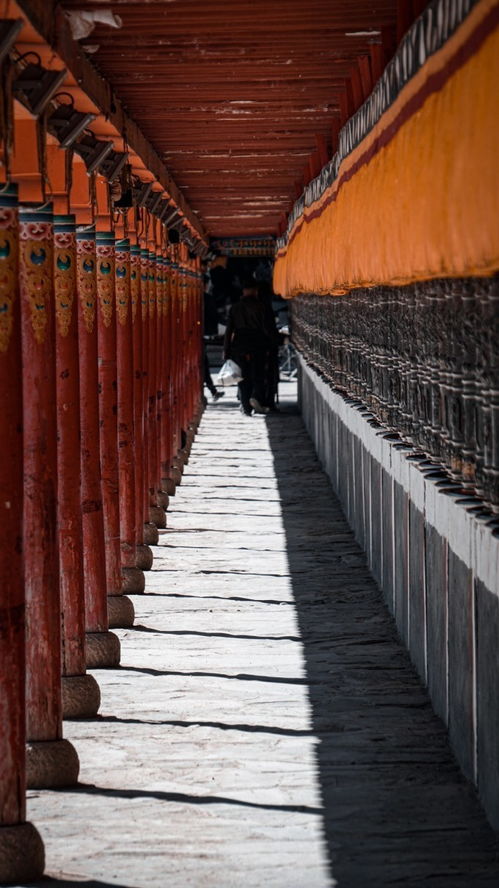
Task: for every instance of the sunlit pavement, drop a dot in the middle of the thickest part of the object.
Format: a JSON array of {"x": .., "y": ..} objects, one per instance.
[{"x": 266, "y": 727}]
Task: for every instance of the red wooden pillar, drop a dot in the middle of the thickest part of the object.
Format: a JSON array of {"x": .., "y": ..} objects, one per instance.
[
  {"x": 108, "y": 423},
  {"x": 184, "y": 369},
  {"x": 199, "y": 331},
  {"x": 196, "y": 351},
  {"x": 168, "y": 415},
  {"x": 151, "y": 535},
  {"x": 197, "y": 336},
  {"x": 180, "y": 360},
  {"x": 193, "y": 346},
  {"x": 80, "y": 692},
  {"x": 200, "y": 312},
  {"x": 149, "y": 359},
  {"x": 190, "y": 298},
  {"x": 183, "y": 366},
  {"x": 193, "y": 333},
  {"x": 143, "y": 555},
  {"x": 21, "y": 848},
  {"x": 103, "y": 647},
  {"x": 51, "y": 761},
  {"x": 176, "y": 464},
  {"x": 133, "y": 577},
  {"x": 173, "y": 362},
  {"x": 161, "y": 399},
  {"x": 165, "y": 382},
  {"x": 156, "y": 511},
  {"x": 189, "y": 357},
  {"x": 160, "y": 497}
]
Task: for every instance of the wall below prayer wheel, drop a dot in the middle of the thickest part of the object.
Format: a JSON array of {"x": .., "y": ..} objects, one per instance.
[{"x": 433, "y": 549}]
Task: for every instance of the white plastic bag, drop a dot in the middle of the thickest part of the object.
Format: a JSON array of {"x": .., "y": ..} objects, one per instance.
[
  {"x": 229, "y": 374},
  {"x": 82, "y": 22}
]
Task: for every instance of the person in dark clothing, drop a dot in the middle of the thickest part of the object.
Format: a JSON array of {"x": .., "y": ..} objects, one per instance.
[
  {"x": 247, "y": 340},
  {"x": 272, "y": 356}
]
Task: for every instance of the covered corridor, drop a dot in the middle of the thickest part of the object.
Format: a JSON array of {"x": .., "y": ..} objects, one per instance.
[
  {"x": 256, "y": 645},
  {"x": 265, "y": 726}
]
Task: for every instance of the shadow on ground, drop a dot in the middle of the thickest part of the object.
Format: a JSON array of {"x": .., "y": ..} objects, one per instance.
[
  {"x": 397, "y": 810},
  {"x": 62, "y": 882}
]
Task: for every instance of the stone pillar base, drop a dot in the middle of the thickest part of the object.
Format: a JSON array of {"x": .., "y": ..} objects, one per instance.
[
  {"x": 120, "y": 612},
  {"x": 134, "y": 581},
  {"x": 176, "y": 474},
  {"x": 143, "y": 555},
  {"x": 163, "y": 499},
  {"x": 51, "y": 763},
  {"x": 22, "y": 855},
  {"x": 151, "y": 535},
  {"x": 103, "y": 649},
  {"x": 80, "y": 696},
  {"x": 157, "y": 516},
  {"x": 169, "y": 485}
]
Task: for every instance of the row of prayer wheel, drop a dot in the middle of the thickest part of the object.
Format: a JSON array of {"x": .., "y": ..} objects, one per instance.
[
  {"x": 423, "y": 359},
  {"x": 100, "y": 393}
]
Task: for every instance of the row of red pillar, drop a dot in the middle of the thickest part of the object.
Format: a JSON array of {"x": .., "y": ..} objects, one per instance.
[{"x": 100, "y": 395}]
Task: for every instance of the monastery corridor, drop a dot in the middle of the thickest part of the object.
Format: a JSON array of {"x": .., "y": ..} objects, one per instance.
[{"x": 265, "y": 726}]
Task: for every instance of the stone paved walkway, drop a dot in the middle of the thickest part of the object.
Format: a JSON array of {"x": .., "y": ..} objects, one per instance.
[{"x": 265, "y": 729}]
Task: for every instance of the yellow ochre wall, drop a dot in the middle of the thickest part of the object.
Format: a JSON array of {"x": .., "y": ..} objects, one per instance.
[{"x": 418, "y": 198}]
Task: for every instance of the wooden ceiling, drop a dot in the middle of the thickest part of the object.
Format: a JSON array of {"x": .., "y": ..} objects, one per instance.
[{"x": 243, "y": 99}]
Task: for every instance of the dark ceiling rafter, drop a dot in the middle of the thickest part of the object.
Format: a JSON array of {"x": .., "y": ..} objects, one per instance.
[{"x": 243, "y": 100}]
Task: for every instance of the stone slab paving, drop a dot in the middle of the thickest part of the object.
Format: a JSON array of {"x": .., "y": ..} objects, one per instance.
[{"x": 266, "y": 728}]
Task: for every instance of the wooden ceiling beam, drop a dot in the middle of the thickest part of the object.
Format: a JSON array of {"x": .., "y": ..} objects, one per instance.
[
  {"x": 237, "y": 97},
  {"x": 53, "y": 27}
]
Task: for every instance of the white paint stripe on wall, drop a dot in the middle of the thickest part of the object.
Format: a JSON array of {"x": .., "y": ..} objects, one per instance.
[{"x": 468, "y": 537}]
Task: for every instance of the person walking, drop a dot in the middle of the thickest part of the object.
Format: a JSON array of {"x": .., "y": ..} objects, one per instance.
[
  {"x": 272, "y": 357},
  {"x": 247, "y": 342}
]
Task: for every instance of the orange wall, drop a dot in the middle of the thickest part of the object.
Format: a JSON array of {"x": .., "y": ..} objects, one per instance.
[{"x": 419, "y": 197}]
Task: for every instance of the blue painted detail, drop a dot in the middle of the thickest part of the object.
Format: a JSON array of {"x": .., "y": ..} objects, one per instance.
[
  {"x": 38, "y": 258},
  {"x": 64, "y": 265}
]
